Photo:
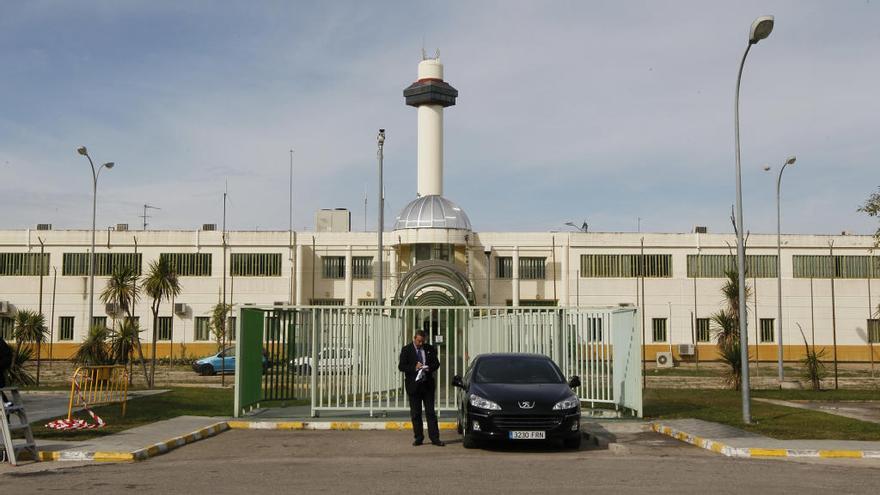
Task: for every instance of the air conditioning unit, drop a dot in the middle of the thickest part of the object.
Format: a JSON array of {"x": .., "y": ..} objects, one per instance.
[
  {"x": 44, "y": 226},
  {"x": 121, "y": 227},
  {"x": 4, "y": 307},
  {"x": 664, "y": 360},
  {"x": 209, "y": 226},
  {"x": 685, "y": 349},
  {"x": 700, "y": 229},
  {"x": 111, "y": 308},
  {"x": 180, "y": 308}
]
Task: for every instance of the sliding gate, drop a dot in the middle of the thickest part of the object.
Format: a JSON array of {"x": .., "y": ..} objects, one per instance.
[{"x": 345, "y": 358}]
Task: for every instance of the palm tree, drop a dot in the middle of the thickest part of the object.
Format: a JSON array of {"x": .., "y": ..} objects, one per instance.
[
  {"x": 123, "y": 290},
  {"x": 30, "y": 330},
  {"x": 726, "y": 322},
  {"x": 161, "y": 283},
  {"x": 94, "y": 351}
]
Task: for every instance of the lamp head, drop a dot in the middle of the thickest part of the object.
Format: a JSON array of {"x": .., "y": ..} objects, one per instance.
[
  {"x": 381, "y": 136},
  {"x": 766, "y": 168},
  {"x": 791, "y": 160},
  {"x": 109, "y": 164},
  {"x": 82, "y": 151},
  {"x": 761, "y": 28}
]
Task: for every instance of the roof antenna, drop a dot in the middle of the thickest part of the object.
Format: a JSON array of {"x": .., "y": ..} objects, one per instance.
[
  {"x": 424, "y": 53},
  {"x": 437, "y": 54}
]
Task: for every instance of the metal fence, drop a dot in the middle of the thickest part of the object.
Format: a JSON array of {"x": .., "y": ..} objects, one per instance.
[{"x": 345, "y": 358}]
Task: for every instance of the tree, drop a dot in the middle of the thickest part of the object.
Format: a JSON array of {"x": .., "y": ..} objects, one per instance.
[
  {"x": 160, "y": 284},
  {"x": 123, "y": 290},
  {"x": 726, "y": 322},
  {"x": 219, "y": 318},
  {"x": 94, "y": 350},
  {"x": 30, "y": 331},
  {"x": 872, "y": 208}
]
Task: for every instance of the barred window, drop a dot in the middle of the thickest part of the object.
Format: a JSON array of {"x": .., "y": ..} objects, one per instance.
[
  {"x": 658, "y": 325},
  {"x": 333, "y": 266},
  {"x": 202, "y": 328},
  {"x": 188, "y": 264},
  {"x": 231, "y": 329},
  {"x": 24, "y": 264},
  {"x": 836, "y": 266},
  {"x": 326, "y": 302},
  {"x": 7, "y": 326},
  {"x": 767, "y": 334},
  {"x": 534, "y": 302},
  {"x": 77, "y": 264},
  {"x": 717, "y": 265},
  {"x": 362, "y": 267},
  {"x": 65, "y": 328},
  {"x": 504, "y": 267},
  {"x": 136, "y": 321},
  {"x": 874, "y": 331},
  {"x": 369, "y": 301},
  {"x": 626, "y": 265},
  {"x": 532, "y": 268},
  {"x": 425, "y": 252},
  {"x": 99, "y": 321},
  {"x": 255, "y": 264},
  {"x": 163, "y": 328},
  {"x": 703, "y": 334}
]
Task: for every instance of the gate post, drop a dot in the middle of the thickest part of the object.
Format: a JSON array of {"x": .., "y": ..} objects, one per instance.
[
  {"x": 248, "y": 359},
  {"x": 316, "y": 321}
]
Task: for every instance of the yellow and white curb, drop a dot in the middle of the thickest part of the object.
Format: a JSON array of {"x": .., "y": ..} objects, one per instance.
[
  {"x": 331, "y": 425},
  {"x": 754, "y": 452}
]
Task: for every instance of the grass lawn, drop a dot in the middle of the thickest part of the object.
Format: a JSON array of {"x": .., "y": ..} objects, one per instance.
[{"x": 724, "y": 406}]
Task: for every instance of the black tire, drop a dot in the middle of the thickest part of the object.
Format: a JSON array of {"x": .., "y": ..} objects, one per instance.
[
  {"x": 573, "y": 443},
  {"x": 458, "y": 427},
  {"x": 467, "y": 439},
  {"x": 207, "y": 370}
]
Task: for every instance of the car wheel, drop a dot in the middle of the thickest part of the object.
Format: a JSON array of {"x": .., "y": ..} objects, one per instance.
[
  {"x": 573, "y": 443},
  {"x": 467, "y": 439},
  {"x": 207, "y": 370}
]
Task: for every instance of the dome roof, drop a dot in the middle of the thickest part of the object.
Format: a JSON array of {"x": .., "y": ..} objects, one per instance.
[{"x": 432, "y": 212}]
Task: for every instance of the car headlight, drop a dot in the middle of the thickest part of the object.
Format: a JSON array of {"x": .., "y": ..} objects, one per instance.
[
  {"x": 482, "y": 403},
  {"x": 569, "y": 403}
]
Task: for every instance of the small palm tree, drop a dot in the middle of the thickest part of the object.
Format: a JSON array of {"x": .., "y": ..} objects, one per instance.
[
  {"x": 160, "y": 284},
  {"x": 123, "y": 290},
  {"x": 726, "y": 322},
  {"x": 123, "y": 341},
  {"x": 94, "y": 350},
  {"x": 30, "y": 331},
  {"x": 17, "y": 373}
]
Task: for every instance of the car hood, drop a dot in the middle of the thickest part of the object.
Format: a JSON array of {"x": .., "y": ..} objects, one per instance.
[{"x": 509, "y": 395}]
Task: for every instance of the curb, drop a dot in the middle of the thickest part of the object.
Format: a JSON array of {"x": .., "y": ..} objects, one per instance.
[
  {"x": 331, "y": 425},
  {"x": 754, "y": 452}
]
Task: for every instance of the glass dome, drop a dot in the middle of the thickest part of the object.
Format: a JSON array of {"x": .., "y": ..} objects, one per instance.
[{"x": 432, "y": 212}]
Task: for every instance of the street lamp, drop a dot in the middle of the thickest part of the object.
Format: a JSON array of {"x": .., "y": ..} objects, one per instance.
[
  {"x": 380, "y": 154},
  {"x": 788, "y": 161},
  {"x": 761, "y": 28},
  {"x": 580, "y": 228},
  {"x": 95, "y": 173}
]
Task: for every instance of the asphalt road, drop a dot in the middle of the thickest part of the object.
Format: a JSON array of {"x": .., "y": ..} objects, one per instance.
[{"x": 251, "y": 462}]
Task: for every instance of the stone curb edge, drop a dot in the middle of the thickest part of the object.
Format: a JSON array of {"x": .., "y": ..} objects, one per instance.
[
  {"x": 330, "y": 425},
  {"x": 753, "y": 452}
]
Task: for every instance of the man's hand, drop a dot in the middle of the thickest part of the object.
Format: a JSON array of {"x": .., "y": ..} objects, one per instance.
[{"x": 418, "y": 366}]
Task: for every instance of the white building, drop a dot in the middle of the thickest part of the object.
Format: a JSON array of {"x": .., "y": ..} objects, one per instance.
[{"x": 433, "y": 257}]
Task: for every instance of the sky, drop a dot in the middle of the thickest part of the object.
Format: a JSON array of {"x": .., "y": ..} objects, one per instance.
[{"x": 619, "y": 114}]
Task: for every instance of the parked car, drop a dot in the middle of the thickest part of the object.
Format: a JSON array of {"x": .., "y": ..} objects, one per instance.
[
  {"x": 213, "y": 364},
  {"x": 330, "y": 360},
  {"x": 517, "y": 397}
]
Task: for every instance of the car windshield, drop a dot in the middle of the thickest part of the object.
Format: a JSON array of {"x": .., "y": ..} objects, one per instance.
[{"x": 517, "y": 370}]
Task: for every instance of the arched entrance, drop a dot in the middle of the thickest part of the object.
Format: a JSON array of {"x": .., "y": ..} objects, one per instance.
[{"x": 434, "y": 283}]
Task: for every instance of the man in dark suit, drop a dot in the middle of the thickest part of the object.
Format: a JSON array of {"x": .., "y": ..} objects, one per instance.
[{"x": 418, "y": 363}]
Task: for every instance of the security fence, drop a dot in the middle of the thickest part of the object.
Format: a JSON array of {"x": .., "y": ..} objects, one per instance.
[{"x": 345, "y": 358}]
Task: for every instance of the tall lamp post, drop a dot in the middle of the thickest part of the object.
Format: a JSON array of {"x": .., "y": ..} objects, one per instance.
[
  {"x": 788, "y": 161},
  {"x": 95, "y": 173},
  {"x": 380, "y": 154},
  {"x": 761, "y": 28}
]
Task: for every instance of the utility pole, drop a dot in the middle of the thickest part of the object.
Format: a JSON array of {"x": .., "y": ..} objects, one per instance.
[
  {"x": 833, "y": 308},
  {"x": 145, "y": 216},
  {"x": 290, "y": 242},
  {"x": 42, "y": 253},
  {"x": 225, "y": 319},
  {"x": 381, "y": 142},
  {"x": 52, "y": 313}
]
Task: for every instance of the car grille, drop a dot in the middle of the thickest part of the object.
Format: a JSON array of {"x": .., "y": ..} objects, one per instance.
[{"x": 508, "y": 422}]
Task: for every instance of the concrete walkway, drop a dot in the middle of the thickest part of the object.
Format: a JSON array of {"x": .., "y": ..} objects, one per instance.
[
  {"x": 862, "y": 410},
  {"x": 734, "y": 442},
  {"x": 41, "y": 405}
]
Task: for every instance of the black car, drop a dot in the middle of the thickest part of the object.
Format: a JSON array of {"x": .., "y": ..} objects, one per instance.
[{"x": 517, "y": 397}]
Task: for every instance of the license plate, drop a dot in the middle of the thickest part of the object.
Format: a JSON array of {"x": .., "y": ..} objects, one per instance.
[{"x": 528, "y": 435}]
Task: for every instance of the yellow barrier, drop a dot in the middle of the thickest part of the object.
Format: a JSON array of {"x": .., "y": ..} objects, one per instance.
[{"x": 95, "y": 385}]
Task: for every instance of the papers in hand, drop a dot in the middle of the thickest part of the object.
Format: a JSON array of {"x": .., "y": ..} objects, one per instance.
[{"x": 423, "y": 373}]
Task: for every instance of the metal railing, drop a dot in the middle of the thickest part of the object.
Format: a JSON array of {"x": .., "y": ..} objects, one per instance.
[{"x": 96, "y": 385}]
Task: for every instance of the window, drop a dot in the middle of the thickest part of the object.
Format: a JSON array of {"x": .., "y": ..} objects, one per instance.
[
  {"x": 426, "y": 252},
  {"x": 65, "y": 328},
  {"x": 189, "y": 264},
  {"x": 77, "y": 264},
  {"x": 333, "y": 266},
  {"x": 658, "y": 325},
  {"x": 23, "y": 264},
  {"x": 703, "y": 334},
  {"x": 767, "y": 334},
  {"x": 874, "y": 331},
  {"x": 532, "y": 268},
  {"x": 255, "y": 264},
  {"x": 534, "y": 302},
  {"x": 230, "y": 329},
  {"x": 626, "y": 265},
  {"x": 504, "y": 267},
  {"x": 370, "y": 301},
  {"x": 362, "y": 267},
  {"x": 7, "y": 326},
  {"x": 717, "y": 265},
  {"x": 163, "y": 328},
  {"x": 134, "y": 320},
  {"x": 836, "y": 267},
  {"x": 202, "y": 328},
  {"x": 326, "y": 302},
  {"x": 99, "y": 321}
]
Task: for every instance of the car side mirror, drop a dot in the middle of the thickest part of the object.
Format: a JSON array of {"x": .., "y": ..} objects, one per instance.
[
  {"x": 575, "y": 382},
  {"x": 456, "y": 382}
]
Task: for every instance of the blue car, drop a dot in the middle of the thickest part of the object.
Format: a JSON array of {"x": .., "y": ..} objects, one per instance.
[{"x": 222, "y": 362}]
